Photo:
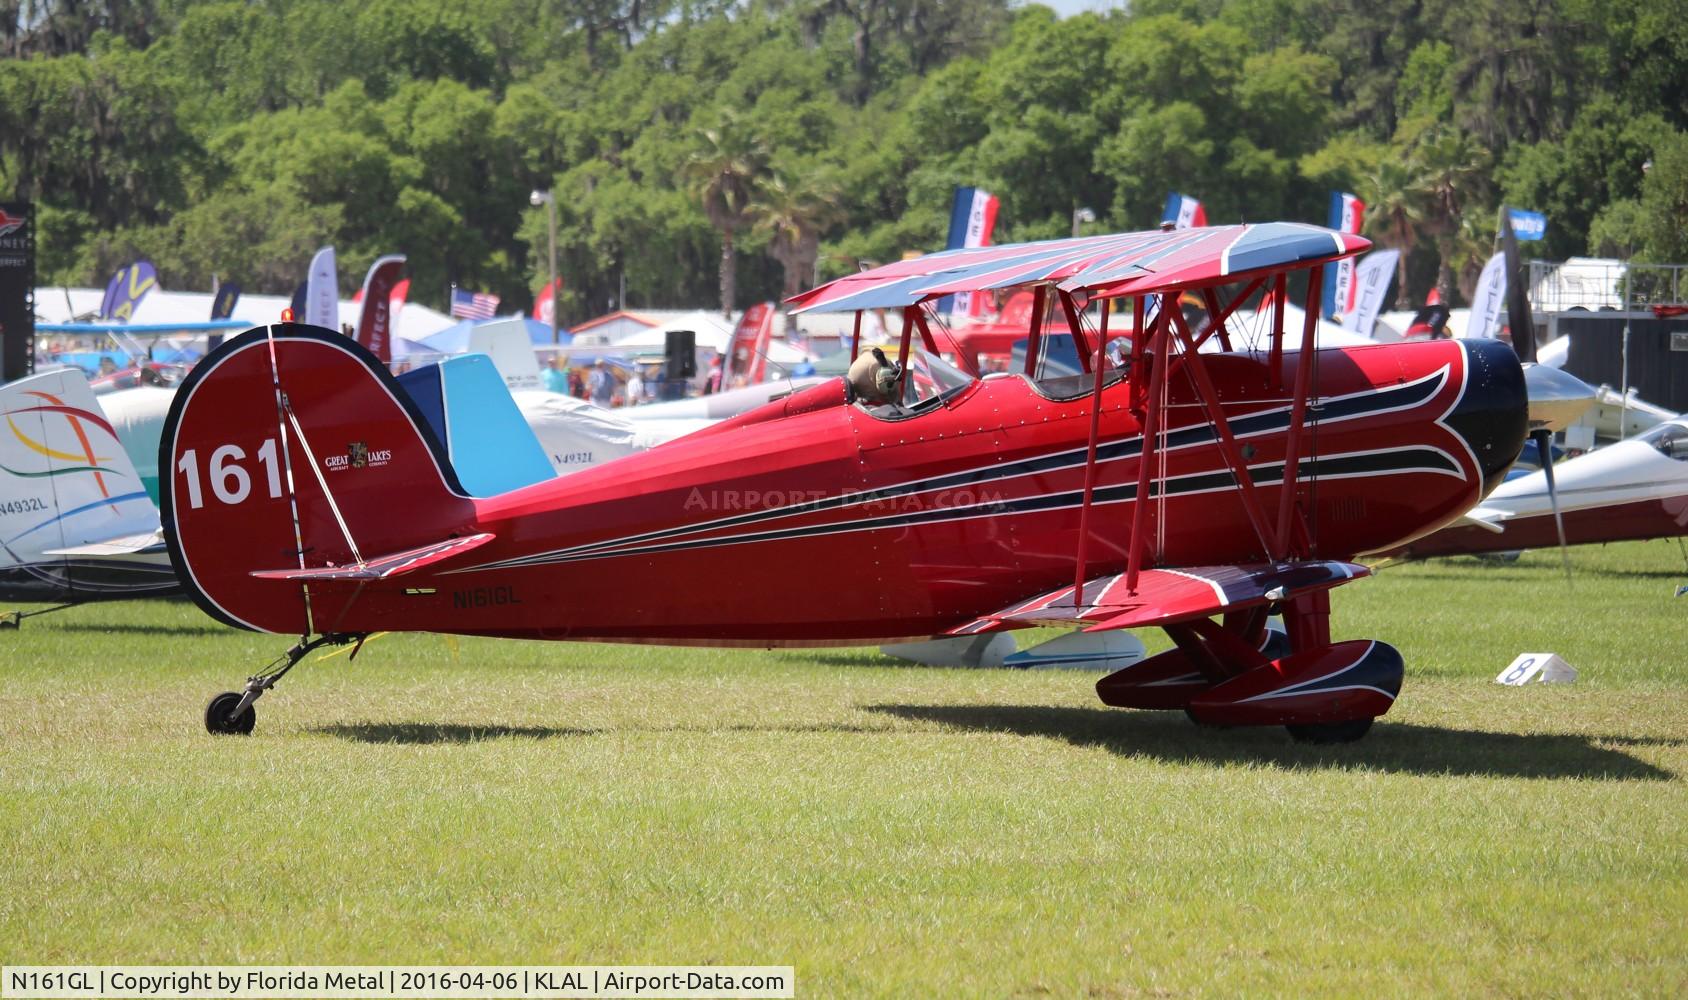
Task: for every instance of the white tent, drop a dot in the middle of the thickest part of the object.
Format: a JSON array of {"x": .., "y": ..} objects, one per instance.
[
  {"x": 71, "y": 305},
  {"x": 713, "y": 333}
]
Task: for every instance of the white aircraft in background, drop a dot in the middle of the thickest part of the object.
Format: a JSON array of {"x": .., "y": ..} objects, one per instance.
[
  {"x": 1634, "y": 489},
  {"x": 76, "y": 523}
]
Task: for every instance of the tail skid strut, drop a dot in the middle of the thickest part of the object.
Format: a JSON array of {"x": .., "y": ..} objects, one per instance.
[{"x": 231, "y": 714}]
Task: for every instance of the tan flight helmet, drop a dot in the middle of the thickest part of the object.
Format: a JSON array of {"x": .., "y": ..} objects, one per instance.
[{"x": 872, "y": 378}]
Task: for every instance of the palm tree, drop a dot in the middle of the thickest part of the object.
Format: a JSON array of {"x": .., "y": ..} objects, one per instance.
[
  {"x": 794, "y": 213},
  {"x": 723, "y": 173},
  {"x": 1454, "y": 174},
  {"x": 1469, "y": 248},
  {"x": 1395, "y": 196}
]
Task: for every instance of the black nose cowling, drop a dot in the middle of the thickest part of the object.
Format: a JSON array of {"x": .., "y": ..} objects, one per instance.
[{"x": 1493, "y": 414}]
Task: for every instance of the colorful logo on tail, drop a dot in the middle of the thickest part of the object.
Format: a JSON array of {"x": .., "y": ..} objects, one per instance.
[{"x": 76, "y": 416}]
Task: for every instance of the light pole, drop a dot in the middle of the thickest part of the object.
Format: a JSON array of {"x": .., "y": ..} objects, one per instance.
[
  {"x": 1081, "y": 216},
  {"x": 538, "y": 198}
]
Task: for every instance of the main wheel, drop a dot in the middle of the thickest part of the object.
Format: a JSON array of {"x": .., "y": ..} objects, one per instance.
[
  {"x": 220, "y": 719},
  {"x": 1346, "y": 731}
]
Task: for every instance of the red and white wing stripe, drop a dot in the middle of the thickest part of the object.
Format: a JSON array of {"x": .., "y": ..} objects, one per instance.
[
  {"x": 1169, "y": 596},
  {"x": 1120, "y": 264}
]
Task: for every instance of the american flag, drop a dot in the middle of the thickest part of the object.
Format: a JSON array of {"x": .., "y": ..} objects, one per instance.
[{"x": 473, "y": 305}]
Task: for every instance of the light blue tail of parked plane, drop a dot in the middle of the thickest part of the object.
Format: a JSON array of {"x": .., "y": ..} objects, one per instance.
[{"x": 469, "y": 408}]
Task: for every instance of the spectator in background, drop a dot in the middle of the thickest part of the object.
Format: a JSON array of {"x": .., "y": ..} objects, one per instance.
[
  {"x": 601, "y": 385},
  {"x": 635, "y": 388},
  {"x": 577, "y": 385},
  {"x": 556, "y": 379}
]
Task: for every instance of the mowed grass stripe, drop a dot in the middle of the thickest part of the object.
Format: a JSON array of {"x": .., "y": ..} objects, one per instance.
[{"x": 888, "y": 830}]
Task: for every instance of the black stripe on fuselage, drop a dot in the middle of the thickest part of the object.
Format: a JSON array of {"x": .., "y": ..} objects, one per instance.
[
  {"x": 1340, "y": 408},
  {"x": 1388, "y": 462}
]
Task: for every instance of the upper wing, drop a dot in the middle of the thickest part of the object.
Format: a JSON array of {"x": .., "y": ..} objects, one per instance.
[
  {"x": 1168, "y": 596},
  {"x": 1122, "y": 264}
]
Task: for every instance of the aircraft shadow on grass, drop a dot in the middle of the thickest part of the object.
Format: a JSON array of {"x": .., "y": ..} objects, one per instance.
[
  {"x": 428, "y": 732},
  {"x": 425, "y": 733},
  {"x": 209, "y": 628},
  {"x": 1397, "y": 747}
]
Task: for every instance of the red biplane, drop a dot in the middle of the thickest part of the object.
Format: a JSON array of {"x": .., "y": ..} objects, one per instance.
[{"x": 1164, "y": 485}]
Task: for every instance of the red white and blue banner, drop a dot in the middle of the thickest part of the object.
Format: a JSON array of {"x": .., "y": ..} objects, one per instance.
[
  {"x": 127, "y": 288},
  {"x": 322, "y": 291},
  {"x": 473, "y": 305},
  {"x": 375, "y": 319},
  {"x": 1183, "y": 211},
  {"x": 972, "y": 219},
  {"x": 1347, "y": 215},
  {"x": 1371, "y": 281}
]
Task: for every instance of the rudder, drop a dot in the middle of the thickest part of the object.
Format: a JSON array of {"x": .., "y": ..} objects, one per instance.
[{"x": 291, "y": 446}]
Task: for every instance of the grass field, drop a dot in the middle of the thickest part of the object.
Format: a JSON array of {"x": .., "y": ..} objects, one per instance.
[{"x": 887, "y": 830}]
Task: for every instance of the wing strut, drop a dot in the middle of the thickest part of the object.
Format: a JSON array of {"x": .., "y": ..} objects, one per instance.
[
  {"x": 1034, "y": 337},
  {"x": 1298, "y": 408},
  {"x": 1197, "y": 369},
  {"x": 1095, "y": 432},
  {"x": 1076, "y": 327},
  {"x": 1151, "y": 428}
]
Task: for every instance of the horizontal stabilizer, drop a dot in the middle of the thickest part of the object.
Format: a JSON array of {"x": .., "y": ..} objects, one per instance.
[
  {"x": 1168, "y": 596},
  {"x": 383, "y": 567},
  {"x": 1487, "y": 518},
  {"x": 144, "y": 543}
]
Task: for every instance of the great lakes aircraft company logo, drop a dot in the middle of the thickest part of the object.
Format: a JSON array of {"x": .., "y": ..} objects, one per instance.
[
  {"x": 358, "y": 456},
  {"x": 10, "y": 223}
]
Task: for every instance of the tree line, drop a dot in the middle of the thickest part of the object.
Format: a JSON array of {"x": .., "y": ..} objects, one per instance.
[{"x": 710, "y": 151}]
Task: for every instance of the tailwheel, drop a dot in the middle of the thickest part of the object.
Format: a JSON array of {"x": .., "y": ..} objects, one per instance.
[
  {"x": 1327, "y": 733},
  {"x": 225, "y": 716},
  {"x": 231, "y": 714}
]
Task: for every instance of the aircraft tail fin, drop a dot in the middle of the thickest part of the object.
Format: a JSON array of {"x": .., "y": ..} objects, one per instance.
[
  {"x": 65, "y": 480},
  {"x": 292, "y": 446}
]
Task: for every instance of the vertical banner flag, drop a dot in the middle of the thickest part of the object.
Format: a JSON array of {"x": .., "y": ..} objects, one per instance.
[
  {"x": 17, "y": 289},
  {"x": 222, "y": 304},
  {"x": 1527, "y": 225},
  {"x": 545, "y": 301},
  {"x": 322, "y": 292},
  {"x": 1347, "y": 215},
  {"x": 746, "y": 340},
  {"x": 222, "y": 307},
  {"x": 1488, "y": 299},
  {"x": 375, "y": 319},
  {"x": 298, "y": 303},
  {"x": 1371, "y": 281},
  {"x": 128, "y": 287},
  {"x": 473, "y": 305},
  {"x": 1183, "y": 211},
  {"x": 972, "y": 218}
]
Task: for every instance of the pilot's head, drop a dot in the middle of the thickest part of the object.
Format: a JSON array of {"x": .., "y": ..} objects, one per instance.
[{"x": 873, "y": 378}]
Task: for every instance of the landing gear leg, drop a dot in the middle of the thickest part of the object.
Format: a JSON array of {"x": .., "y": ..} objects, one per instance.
[
  {"x": 14, "y": 619},
  {"x": 231, "y": 714}
]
